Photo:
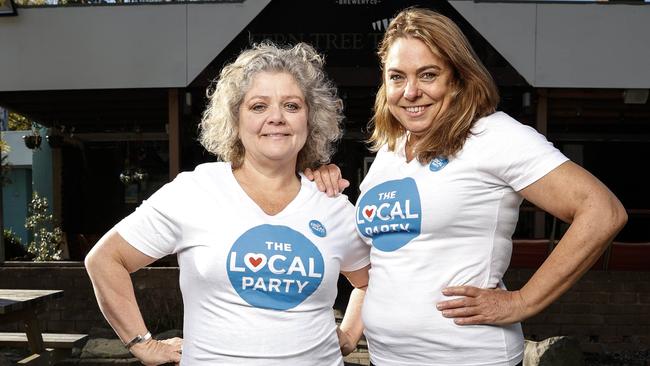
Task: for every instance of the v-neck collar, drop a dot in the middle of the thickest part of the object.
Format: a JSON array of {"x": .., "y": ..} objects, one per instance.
[
  {"x": 288, "y": 209},
  {"x": 400, "y": 150}
]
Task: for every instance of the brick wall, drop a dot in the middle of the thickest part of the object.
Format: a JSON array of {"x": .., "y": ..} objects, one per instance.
[
  {"x": 156, "y": 289},
  {"x": 608, "y": 311}
]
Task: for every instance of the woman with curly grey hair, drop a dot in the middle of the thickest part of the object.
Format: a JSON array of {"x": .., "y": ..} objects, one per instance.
[
  {"x": 259, "y": 247},
  {"x": 219, "y": 132}
]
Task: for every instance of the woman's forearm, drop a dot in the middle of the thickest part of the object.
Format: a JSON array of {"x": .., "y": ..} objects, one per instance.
[
  {"x": 113, "y": 287},
  {"x": 574, "y": 195},
  {"x": 584, "y": 242},
  {"x": 352, "y": 324}
]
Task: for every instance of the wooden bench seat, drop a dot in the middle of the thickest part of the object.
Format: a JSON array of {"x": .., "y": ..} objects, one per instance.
[
  {"x": 57, "y": 346},
  {"x": 50, "y": 340}
]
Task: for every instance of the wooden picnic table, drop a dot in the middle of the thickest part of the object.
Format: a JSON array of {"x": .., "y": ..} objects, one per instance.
[{"x": 23, "y": 306}]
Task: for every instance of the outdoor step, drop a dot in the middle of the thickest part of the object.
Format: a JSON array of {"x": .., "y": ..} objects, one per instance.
[{"x": 362, "y": 343}]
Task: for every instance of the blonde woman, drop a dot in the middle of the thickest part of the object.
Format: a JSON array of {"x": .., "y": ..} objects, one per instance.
[{"x": 441, "y": 201}]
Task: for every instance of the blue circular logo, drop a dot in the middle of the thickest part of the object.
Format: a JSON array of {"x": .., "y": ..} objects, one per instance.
[
  {"x": 274, "y": 267},
  {"x": 390, "y": 214},
  {"x": 438, "y": 163},
  {"x": 317, "y": 228}
]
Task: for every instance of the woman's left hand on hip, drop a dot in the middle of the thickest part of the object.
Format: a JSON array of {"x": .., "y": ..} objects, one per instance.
[{"x": 482, "y": 306}]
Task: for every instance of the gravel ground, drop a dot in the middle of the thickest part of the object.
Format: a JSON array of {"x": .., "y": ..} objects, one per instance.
[{"x": 633, "y": 358}]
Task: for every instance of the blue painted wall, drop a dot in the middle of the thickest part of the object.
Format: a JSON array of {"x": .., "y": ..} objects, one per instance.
[
  {"x": 42, "y": 175},
  {"x": 31, "y": 172},
  {"x": 15, "y": 198}
]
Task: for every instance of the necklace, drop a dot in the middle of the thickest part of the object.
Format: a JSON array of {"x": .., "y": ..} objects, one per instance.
[{"x": 409, "y": 147}]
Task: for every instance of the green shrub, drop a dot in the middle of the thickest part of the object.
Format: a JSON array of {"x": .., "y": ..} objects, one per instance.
[
  {"x": 14, "y": 249},
  {"x": 48, "y": 238}
]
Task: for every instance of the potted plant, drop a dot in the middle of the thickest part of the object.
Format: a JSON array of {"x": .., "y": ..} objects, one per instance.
[{"x": 33, "y": 140}]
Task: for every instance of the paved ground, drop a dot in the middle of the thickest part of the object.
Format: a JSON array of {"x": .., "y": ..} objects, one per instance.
[
  {"x": 11, "y": 356},
  {"x": 359, "y": 357}
]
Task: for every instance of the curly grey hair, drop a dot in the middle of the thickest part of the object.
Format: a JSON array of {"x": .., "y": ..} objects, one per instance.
[{"x": 219, "y": 125}]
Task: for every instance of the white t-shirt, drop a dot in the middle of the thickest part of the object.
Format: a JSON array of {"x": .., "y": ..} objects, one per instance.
[
  {"x": 257, "y": 289},
  {"x": 447, "y": 223}
]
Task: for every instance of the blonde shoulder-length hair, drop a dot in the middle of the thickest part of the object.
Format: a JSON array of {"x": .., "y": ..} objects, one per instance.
[
  {"x": 474, "y": 93},
  {"x": 219, "y": 127}
]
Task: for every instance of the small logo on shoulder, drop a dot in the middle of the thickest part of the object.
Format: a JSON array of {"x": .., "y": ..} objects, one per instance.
[
  {"x": 438, "y": 163},
  {"x": 317, "y": 228}
]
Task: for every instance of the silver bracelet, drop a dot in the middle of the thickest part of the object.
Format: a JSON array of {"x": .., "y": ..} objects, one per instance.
[{"x": 138, "y": 339}]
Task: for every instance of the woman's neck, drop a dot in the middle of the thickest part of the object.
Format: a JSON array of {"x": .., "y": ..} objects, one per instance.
[
  {"x": 409, "y": 146},
  {"x": 271, "y": 188}
]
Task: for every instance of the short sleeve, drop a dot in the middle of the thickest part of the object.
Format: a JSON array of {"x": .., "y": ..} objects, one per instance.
[
  {"x": 357, "y": 253},
  {"x": 150, "y": 231},
  {"x": 155, "y": 227},
  {"x": 513, "y": 153}
]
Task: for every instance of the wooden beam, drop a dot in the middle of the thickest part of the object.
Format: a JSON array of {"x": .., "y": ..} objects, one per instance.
[
  {"x": 542, "y": 127},
  {"x": 542, "y": 111},
  {"x": 57, "y": 184},
  {"x": 2, "y": 220},
  {"x": 173, "y": 130}
]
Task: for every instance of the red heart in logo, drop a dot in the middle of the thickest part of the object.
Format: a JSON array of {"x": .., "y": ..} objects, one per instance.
[
  {"x": 369, "y": 212},
  {"x": 255, "y": 261}
]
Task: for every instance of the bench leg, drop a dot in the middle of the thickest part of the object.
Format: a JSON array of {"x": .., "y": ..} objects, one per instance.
[
  {"x": 33, "y": 331},
  {"x": 38, "y": 359}
]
